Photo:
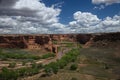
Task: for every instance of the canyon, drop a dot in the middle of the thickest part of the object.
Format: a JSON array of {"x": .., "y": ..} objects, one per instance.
[
  {"x": 97, "y": 52},
  {"x": 34, "y": 41},
  {"x": 46, "y": 41}
]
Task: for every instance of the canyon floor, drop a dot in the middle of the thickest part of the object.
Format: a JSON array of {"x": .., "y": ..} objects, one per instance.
[
  {"x": 81, "y": 57},
  {"x": 93, "y": 64}
]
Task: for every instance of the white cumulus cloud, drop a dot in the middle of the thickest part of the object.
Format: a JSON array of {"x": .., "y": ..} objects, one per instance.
[
  {"x": 33, "y": 16},
  {"x": 106, "y": 2},
  {"x": 29, "y": 16},
  {"x": 89, "y": 23}
]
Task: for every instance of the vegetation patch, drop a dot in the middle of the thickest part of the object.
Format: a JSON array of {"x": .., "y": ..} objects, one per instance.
[
  {"x": 28, "y": 56},
  {"x": 53, "y": 67},
  {"x": 73, "y": 67},
  {"x": 19, "y": 56},
  {"x": 47, "y": 55},
  {"x": 10, "y": 74}
]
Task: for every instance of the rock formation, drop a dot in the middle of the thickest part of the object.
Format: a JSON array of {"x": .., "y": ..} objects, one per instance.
[
  {"x": 33, "y": 41},
  {"x": 46, "y": 41},
  {"x": 104, "y": 40}
]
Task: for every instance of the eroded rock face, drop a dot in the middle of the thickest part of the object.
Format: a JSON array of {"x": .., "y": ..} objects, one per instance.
[
  {"x": 11, "y": 42},
  {"x": 111, "y": 40},
  {"x": 22, "y": 41},
  {"x": 46, "y": 41},
  {"x": 33, "y": 41},
  {"x": 83, "y": 38},
  {"x": 42, "y": 39},
  {"x": 108, "y": 37}
]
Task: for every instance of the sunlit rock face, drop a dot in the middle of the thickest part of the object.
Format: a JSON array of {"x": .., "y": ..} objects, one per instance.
[
  {"x": 34, "y": 41},
  {"x": 47, "y": 41},
  {"x": 22, "y": 41}
]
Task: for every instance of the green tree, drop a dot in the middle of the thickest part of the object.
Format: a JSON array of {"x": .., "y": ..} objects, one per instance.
[
  {"x": 7, "y": 74},
  {"x": 73, "y": 67},
  {"x": 48, "y": 70}
]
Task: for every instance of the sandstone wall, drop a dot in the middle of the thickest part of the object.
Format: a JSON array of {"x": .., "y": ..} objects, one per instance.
[
  {"x": 45, "y": 41},
  {"x": 83, "y": 38},
  {"x": 33, "y": 41},
  {"x": 104, "y": 40}
]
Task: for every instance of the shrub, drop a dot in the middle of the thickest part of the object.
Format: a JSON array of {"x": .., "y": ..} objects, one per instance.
[
  {"x": 74, "y": 78},
  {"x": 27, "y": 71},
  {"x": 53, "y": 67},
  {"x": 48, "y": 55},
  {"x": 73, "y": 67},
  {"x": 24, "y": 63},
  {"x": 3, "y": 58},
  {"x": 48, "y": 70},
  {"x": 7, "y": 74},
  {"x": 12, "y": 65},
  {"x": 34, "y": 65},
  {"x": 39, "y": 66},
  {"x": 19, "y": 56}
]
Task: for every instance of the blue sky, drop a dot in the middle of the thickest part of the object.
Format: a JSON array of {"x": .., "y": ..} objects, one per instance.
[
  {"x": 69, "y": 7},
  {"x": 59, "y": 16}
]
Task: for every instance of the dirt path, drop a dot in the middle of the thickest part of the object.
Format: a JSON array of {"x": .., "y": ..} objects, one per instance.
[{"x": 61, "y": 53}]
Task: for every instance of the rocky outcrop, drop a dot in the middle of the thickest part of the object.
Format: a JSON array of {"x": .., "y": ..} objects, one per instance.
[
  {"x": 23, "y": 41},
  {"x": 46, "y": 41},
  {"x": 11, "y": 42},
  {"x": 104, "y": 40},
  {"x": 108, "y": 37},
  {"x": 33, "y": 41},
  {"x": 83, "y": 38}
]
